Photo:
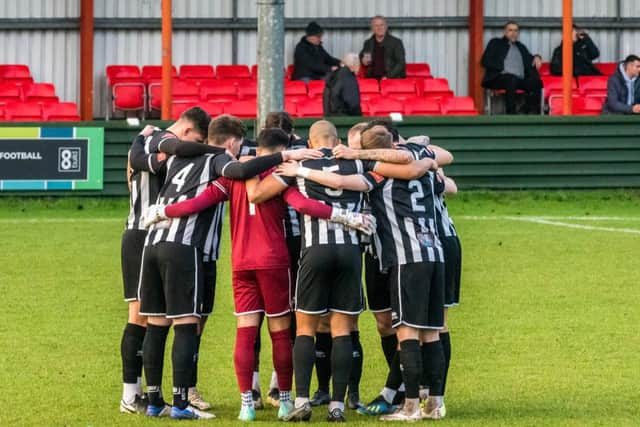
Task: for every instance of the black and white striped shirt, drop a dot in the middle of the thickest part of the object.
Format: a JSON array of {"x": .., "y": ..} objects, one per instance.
[
  {"x": 186, "y": 178},
  {"x": 443, "y": 220},
  {"x": 316, "y": 231},
  {"x": 147, "y": 176},
  {"x": 405, "y": 212}
]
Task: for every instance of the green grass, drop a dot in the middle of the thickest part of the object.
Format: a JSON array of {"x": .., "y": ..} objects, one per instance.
[{"x": 546, "y": 333}]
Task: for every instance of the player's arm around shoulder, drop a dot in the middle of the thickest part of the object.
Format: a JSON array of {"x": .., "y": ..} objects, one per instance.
[
  {"x": 388, "y": 155},
  {"x": 354, "y": 182},
  {"x": 413, "y": 170},
  {"x": 261, "y": 190}
]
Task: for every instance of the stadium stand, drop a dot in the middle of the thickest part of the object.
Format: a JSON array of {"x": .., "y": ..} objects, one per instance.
[
  {"x": 198, "y": 73},
  {"x": 234, "y": 72},
  {"x": 16, "y": 73},
  {"x": 420, "y": 106},
  {"x": 607, "y": 68},
  {"x": 61, "y": 112},
  {"x": 418, "y": 71},
  {"x": 458, "y": 106},
  {"x": 245, "y": 109}
]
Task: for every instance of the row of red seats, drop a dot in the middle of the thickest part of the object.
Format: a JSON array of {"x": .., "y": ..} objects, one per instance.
[
  {"x": 606, "y": 68},
  {"x": 585, "y": 86},
  {"x": 38, "y": 112},
  {"x": 18, "y": 74},
  {"x": 312, "y": 107},
  {"x": 135, "y": 89},
  {"x": 582, "y": 105},
  {"x": 35, "y": 92}
]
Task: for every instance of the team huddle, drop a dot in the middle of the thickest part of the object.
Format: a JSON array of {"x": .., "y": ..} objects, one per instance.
[{"x": 305, "y": 217}]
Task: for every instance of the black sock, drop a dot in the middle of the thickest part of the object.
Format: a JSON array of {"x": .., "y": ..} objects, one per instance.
[
  {"x": 131, "y": 352},
  {"x": 341, "y": 358},
  {"x": 182, "y": 358},
  {"x": 356, "y": 363},
  {"x": 433, "y": 362},
  {"x": 323, "y": 360},
  {"x": 256, "y": 350},
  {"x": 303, "y": 357},
  {"x": 389, "y": 347},
  {"x": 411, "y": 362},
  {"x": 196, "y": 358},
  {"x": 445, "y": 339},
  {"x": 394, "y": 378},
  {"x": 153, "y": 358},
  {"x": 292, "y": 327}
]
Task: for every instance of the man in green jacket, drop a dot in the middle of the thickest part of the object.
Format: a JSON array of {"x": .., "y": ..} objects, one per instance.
[{"x": 383, "y": 54}]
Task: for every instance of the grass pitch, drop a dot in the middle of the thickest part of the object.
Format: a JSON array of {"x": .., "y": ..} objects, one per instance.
[{"x": 546, "y": 333}]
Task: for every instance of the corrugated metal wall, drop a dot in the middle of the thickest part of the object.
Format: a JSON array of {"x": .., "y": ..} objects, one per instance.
[{"x": 53, "y": 55}]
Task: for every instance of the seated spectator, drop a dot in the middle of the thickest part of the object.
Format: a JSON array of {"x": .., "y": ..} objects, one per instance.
[
  {"x": 623, "y": 88},
  {"x": 383, "y": 54},
  {"x": 584, "y": 52},
  {"x": 310, "y": 60},
  {"x": 341, "y": 95},
  {"x": 509, "y": 66}
]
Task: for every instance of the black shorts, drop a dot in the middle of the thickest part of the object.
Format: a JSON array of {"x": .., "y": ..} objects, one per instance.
[
  {"x": 417, "y": 295},
  {"x": 171, "y": 282},
  {"x": 330, "y": 279},
  {"x": 377, "y": 283},
  {"x": 293, "y": 246},
  {"x": 131, "y": 260},
  {"x": 209, "y": 287},
  {"x": 452, "y": 270}
]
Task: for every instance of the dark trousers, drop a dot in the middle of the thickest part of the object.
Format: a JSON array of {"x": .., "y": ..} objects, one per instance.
[{"x": 531, "y": 85}]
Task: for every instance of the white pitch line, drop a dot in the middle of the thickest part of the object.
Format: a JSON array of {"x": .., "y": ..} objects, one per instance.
[
  {"x": 547, "y": 217},
  {"x": 57, "y": 220},
  {"x": 547, "y": 221}
]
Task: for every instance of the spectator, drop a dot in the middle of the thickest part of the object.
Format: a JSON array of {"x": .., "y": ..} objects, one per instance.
[
  {"x": 341, "y": 95},
  {"x": 623, "y": 88},
  {"x": 509, "y": 66},
  {"x": 383, "y": 54},
  {"x": 584, "y": 51},
  {"x": 310, "y": 60}
]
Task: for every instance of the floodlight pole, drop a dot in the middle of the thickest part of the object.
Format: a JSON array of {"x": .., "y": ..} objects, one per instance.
[
  {"x": 86, "y": 60},
  {"x": 270, "y": 58},
  {"x": 167, "y": 75},
  {"x": 476, "y": 44},
  {"x": 567, "y": 56}
]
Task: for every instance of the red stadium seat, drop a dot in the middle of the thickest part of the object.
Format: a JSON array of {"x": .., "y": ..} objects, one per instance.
[
  {"x": 400, "y": 89},
  {"x": 246, "y": 109},
  {"x": 197, "y": 72},
  {"x": 182, "y": 91},
  {"x": 290, "y": 107},
  {"x": 459, "y": 106},
  {"x": 384, "y": 106},
  {"x": 40, "y": 92},
  {"x": 118, "y": 73},
  {"x": 552, "y": 85},
  {"x": 436, "y": 88},
  {"x": 248, "y": 90},
  {"x": 2, "y": 118},
  {"x": 295, "y": 90},
  {"x": 593, "y": 85},
  {"x": 418, "y": 70},
  {"x": 582, "y": 106},
  {"x": 62, "y": 112},
  {"x": 23, "y": 112},
  {"x": 607, "y": 68},
  {"x": 218, "y": 91},
  {"x": 127, "y": 88},
  {"x": 10, "y": 92},
  {"x": 545, "y": 69},
  {"x": 289, "y": 72},
  {"x": 254, "y": 71},
  {"x": 369, "y": 89},
  {"x": 420, "y": 106},
  {"x": 16, "y": 73},
  {"x": 315, "y": 88},
  {"x": 224, "y": 72},
  {"x": 151, "y": 73},
  {"x": 309, "y": 108}
]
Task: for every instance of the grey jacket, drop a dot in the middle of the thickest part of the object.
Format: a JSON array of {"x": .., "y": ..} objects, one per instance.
[
  {"x": 394, "y": 57},
  {"x": 617, "y": 94}
]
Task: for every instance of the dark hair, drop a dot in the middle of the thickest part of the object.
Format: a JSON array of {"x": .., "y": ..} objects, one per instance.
[
  {"x": 629, "y": 59},
  {"x": 271, "y": 138},
  {"x": 279, "y": 119},
  {"x": 224, "y": 127},
  {"x": 376, "y": 137},
  {"x": 511, "y": 23},
  {"x": 199, "y": 118},
  {"x": 387, "y": 124}
]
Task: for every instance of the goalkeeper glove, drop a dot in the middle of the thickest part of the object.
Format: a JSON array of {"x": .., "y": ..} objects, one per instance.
[
  {"x": 155, "y": 214},
  {"x": 366, "y": 223}
]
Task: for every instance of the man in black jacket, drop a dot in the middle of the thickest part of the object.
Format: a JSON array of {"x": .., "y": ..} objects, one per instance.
[
  {"x": 584, "y": 52},
  {"x": 509, "y": 66},
  {"x": 623, "y": 88},
  {"x": 383, "y": 54},
  {"x": 310, "y": 60},
  {"x": 341, "y": 95}
]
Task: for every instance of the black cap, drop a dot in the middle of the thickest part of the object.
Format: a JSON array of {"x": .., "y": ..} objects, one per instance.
[{"x": 313, "y": 29}]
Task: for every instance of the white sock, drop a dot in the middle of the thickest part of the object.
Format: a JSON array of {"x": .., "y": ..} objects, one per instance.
[
  {"x": 139, "y": 386},
  {"x": 401, "y": 388},
  {"x": 424, "y": 393},
  {"x": 335, "y": 404},
  {"x": 274, "y": 380},
  {"x": 129, "y": 392},
  {"x": 388, "y": 394},
  {"x": 300, "y": 401},
  {"x": 256, "y": 381},
  {"x": 247, "y": 399},
  {"x": 438, "y": 399}
]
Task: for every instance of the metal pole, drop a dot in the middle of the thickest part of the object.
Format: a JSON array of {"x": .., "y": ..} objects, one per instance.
[
  {"x": 567, "y": 57},
  {"x": 270, "y": 58},
  {"x": 86, "y": 59},
  {"x": 476, "y": 42},
  {"x": 167, "y": 75}
]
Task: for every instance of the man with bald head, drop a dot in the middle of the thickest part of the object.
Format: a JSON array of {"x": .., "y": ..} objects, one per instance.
[{"x": 341, "y": 93}]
